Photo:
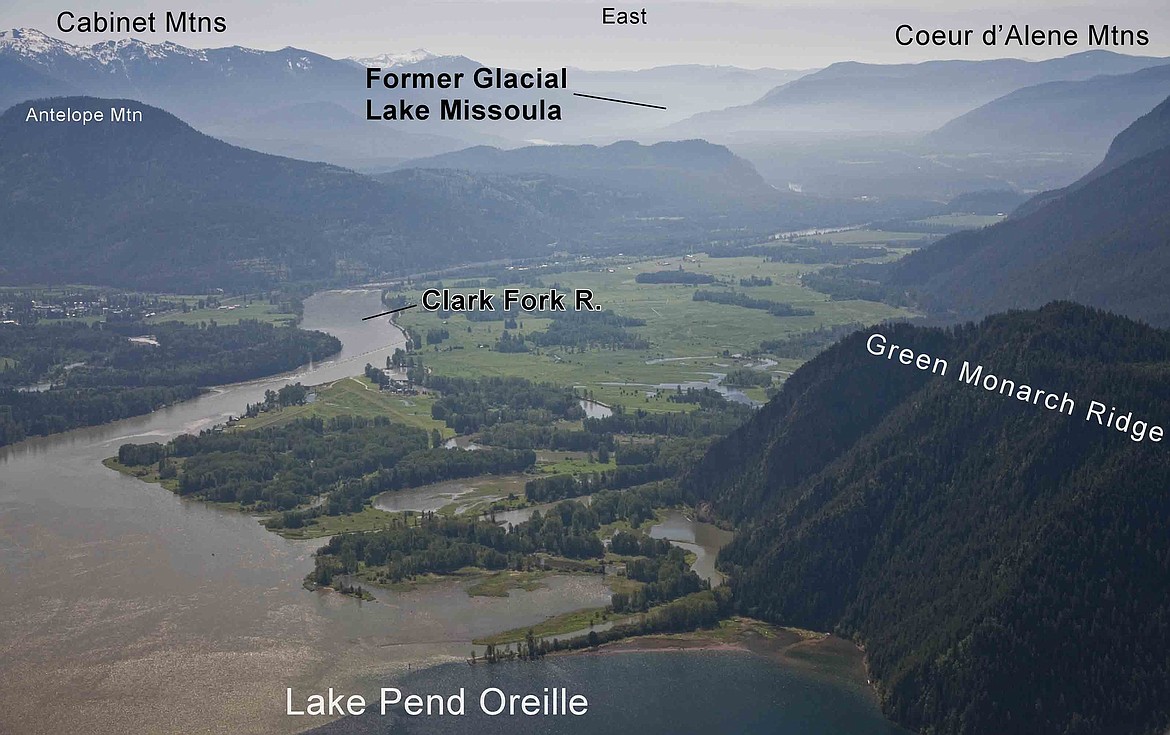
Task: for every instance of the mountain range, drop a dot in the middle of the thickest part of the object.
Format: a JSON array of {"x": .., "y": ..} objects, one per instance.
[
  {"x": 692, "y": 174},
  {"x": 281, "y": 101},
  {"x": 910, "y": 130},
  {"x": 261, "y": 99},
  {"x": 856, "y": 97},
  {"x": 158, "y": 205},
  {"x": 799, "y": 128},
  {"x": 393, "y": 60}
]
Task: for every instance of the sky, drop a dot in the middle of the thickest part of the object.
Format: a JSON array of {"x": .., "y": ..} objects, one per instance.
[{"x": 554, "y": 33}]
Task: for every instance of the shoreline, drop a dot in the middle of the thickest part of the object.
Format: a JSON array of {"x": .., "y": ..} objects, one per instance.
[{"x": 812, "y": 652}]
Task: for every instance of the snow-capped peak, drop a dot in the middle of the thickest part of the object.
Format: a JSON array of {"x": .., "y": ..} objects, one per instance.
[
  {"x": 125, "y": 49},
  {"x": 36, "y": 46},
  {"x": 31, "y": 42},
  {"x": 389, "y": 61}
]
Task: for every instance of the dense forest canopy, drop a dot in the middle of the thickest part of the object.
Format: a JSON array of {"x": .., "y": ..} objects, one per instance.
[
  {"x": 90, "y": 374},
  {"x": 1006, "y": 567}
]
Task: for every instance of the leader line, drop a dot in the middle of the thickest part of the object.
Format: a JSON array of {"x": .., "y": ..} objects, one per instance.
[
  {"x": 387, "y": 313},
  {"x": 624, "y": 102}
]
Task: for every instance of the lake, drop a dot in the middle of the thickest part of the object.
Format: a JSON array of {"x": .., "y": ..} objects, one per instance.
[{"x": 650, "y": 693}]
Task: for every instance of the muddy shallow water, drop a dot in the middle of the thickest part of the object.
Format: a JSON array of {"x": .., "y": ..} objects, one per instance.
[{"x": 122, "y": 603}]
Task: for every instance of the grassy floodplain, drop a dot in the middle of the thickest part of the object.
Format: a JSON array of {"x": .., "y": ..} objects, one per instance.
[
  {"x": 689, "y": 340},
  {"x": 556, "y": 625}
]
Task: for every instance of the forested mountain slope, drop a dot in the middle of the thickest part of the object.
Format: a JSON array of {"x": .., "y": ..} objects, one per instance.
[
  {"x": 1104, "y": 242},
  {"x": 1149, "y": 133},
  {"x": 1007, "y": 567}
]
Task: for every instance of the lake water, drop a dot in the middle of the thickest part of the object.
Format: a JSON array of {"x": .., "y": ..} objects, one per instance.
[
  {"x": 651, "y": 693},
  {"x": 595, "y": 410},
  {"x": 124, "y": 608}
]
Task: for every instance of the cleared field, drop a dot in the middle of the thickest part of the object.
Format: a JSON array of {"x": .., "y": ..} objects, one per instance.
[
  {"x": 367, "y": 519},
  {"x": 230, "y": 311},
  {"x": 872, "y": 237},
  {"x": 355, "y": 397},
  {"x": 555, "y": 462},
  {"x": 970, "y": 221}
]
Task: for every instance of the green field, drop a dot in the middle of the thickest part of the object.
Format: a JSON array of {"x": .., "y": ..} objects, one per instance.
[
  {"x": 871, "y": 237},
  {"x": 368, "y": 519},
  {"x": 556, "y": 462},
  {"x": 691, "y": 339},
  {"x": 231, "y": 311},
  {"x": 355, "y": 397},
  {"x": 969, "y": 221}
]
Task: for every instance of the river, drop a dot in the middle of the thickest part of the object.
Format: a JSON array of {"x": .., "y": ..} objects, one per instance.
[
  {"x": 124, "y": 608},
  {"x": 704, "y": 540}
]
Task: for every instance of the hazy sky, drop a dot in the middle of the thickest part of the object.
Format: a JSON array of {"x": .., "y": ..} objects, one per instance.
[{"x": 524, "y": 33}]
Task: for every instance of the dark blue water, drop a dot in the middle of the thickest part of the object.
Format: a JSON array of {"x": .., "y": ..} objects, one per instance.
[{"x": 651, "y": 693}]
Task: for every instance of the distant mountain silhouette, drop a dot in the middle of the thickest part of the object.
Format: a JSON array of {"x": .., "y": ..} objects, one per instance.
[
  {"x": 286, "y": 101},
  {"x": 1104, "y": 241},
  {"x": 694, "y": 174},
  {"x": 1081, "y": 116},
  {"x": 1149, "y": 133},
  {"x": 851, "y": 96}
]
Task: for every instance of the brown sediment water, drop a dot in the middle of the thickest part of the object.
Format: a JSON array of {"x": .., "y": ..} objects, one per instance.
[
  {"x": 704, "y": 540},
  {"x": 126, "y": 608}
]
